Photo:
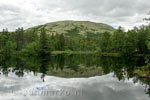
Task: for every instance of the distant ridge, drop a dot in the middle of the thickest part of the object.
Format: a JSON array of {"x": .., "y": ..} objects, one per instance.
[{"x": 74, "y": 28}]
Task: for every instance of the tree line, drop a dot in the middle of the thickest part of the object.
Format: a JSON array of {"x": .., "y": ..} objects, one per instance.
[{"x": 133, "y": 41}]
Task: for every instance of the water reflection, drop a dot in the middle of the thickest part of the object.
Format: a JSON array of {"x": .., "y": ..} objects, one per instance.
[
  {"x": 78, "y": 66},
  {"x": 104, "y": 87}
]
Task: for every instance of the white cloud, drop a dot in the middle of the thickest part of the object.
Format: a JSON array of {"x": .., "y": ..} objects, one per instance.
[
  {"x": 28, "y": 13},
  {"x": 103, "y": 87}
]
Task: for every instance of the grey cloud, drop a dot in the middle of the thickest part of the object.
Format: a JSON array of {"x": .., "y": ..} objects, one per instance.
[{"x": 111, "y": 12}]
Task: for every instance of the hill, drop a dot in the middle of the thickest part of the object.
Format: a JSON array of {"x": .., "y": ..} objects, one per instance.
[{"x": 74, "y": 28}]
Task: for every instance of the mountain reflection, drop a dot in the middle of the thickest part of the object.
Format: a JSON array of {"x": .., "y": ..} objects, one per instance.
[{"x": 75, "y": 66}]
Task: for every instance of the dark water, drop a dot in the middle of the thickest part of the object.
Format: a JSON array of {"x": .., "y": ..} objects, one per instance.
[{"x": 72, "y": 77}]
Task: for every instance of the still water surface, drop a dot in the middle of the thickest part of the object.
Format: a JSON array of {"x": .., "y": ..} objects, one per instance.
[{"x": 72, "y": 77}]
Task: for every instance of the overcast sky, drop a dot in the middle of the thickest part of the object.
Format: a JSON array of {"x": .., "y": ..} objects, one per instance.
[{"x": 28, "y": 13}]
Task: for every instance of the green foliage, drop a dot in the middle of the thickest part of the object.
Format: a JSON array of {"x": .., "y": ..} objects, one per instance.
[
  {"x": 10, "y": 48},
  {"x": 142, "y": 38},
  {"x": 4, "y": 37},
  {"x": 73, "y": 32},
  {"x": 30, "y": 42},
  {"x": 130, "y": 45},
  {"x": 148, "y": 44},
  {"x": 105, "y": 42},
  {"x": 43, "y": 46},
  {"x": 118, "y": 40},
  {"x": 127, "y": 43},
  {"x": 19, "y": 38},
  {"x": 31, "y": 49}
]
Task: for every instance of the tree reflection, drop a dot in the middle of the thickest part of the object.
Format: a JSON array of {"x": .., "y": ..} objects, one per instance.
[{"x": 75, "y": 66}]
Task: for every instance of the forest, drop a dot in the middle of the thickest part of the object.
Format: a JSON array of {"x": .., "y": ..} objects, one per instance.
[{"x": 131, "y": 42}]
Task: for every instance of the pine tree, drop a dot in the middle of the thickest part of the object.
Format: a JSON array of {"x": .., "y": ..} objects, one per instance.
[
  {"x": 19, "y": 38},
  {"x": 44, "y": 46},
  {"x": 61, "y": 42}
]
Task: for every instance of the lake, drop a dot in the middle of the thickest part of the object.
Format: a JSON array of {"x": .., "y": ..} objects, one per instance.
[{"x": 72, "y": 77}]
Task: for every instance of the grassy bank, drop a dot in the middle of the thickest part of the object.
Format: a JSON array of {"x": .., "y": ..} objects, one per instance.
[
  {"x": 72, "y": 52},
  {"x": 107, "y": 54},
  {"x": 141, "y": 55},
  {"x": 110, "y": 54},
  {"x": 86, "y": 52},
  {"x": 143, "y": 72},
  {"x": 69, "y": 52}
]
